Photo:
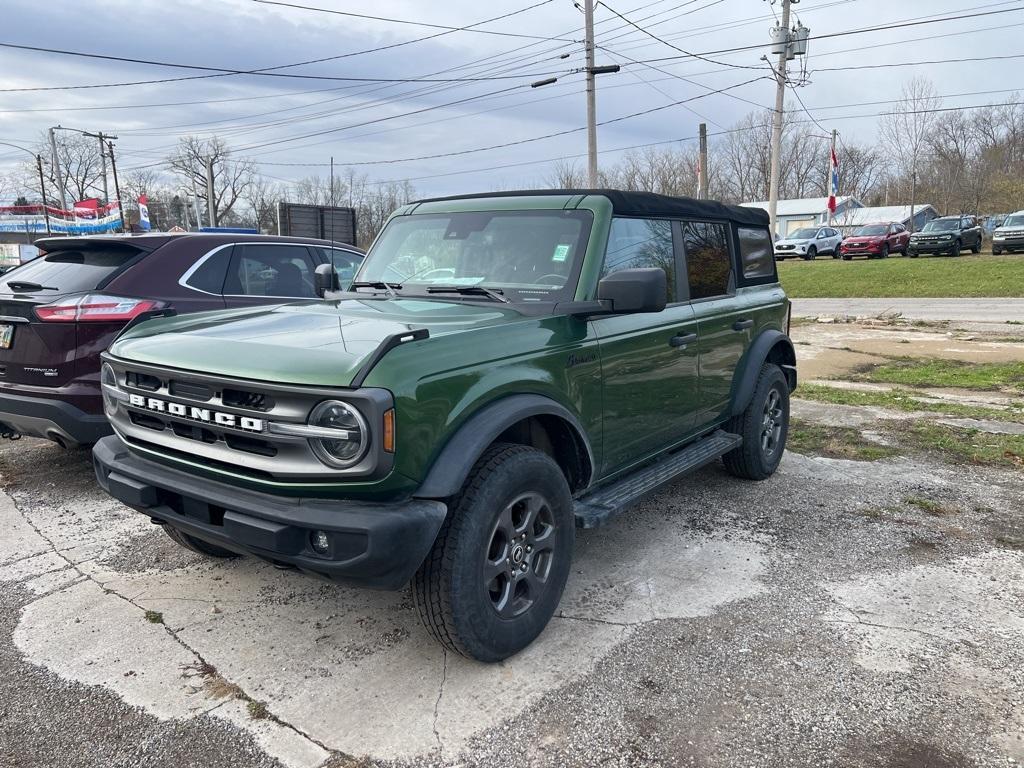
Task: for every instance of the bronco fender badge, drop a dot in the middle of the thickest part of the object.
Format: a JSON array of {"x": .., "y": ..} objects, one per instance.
[{"x": 205, "y": 415}]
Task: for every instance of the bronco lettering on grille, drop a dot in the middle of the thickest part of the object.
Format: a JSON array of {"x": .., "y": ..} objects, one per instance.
[{"x": 205, "y": 415}]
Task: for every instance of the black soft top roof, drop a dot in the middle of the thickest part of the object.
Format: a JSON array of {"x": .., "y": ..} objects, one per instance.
[{"x": 642, "y": 204}]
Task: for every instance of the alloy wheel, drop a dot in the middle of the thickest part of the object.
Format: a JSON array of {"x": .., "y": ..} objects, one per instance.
[
  {"x": 771, "y": 423},
  {"x": 520, "y": 554}
]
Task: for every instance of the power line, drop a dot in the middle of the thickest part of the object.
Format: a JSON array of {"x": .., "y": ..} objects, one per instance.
[
  {"x": 261, "y": 73},
  {"x": 405, "y": 21},
  {"x": 916, "y": 63},
  {"x": 675, "y": 47},
  {"x": 226, "y": 73}
]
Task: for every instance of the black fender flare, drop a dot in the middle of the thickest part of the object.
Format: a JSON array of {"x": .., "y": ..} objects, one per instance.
[
  {"x": 745, "y": 378},
  {"x": 453, "y": 464}
]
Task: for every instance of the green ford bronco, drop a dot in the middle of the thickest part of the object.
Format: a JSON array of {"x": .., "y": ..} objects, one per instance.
[{"x": 505, "y": 368}]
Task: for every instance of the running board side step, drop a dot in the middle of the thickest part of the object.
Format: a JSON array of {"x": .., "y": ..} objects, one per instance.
[{"x": 598, "y": 507}]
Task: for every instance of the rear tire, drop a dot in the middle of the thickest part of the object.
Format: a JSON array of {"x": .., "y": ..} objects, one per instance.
[
  {"x": 976, "y": 248},
  {"x": 763, "y": 426},
  {"x": 499, "y": 565},
  {"x": 198, "y": 545}
]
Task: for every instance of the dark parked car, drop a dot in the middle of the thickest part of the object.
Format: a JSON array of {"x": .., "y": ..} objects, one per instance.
[
  {"x": 947, "y": 235},
  {"x": 60, "y": 311},
  {"x": 876, "y": 241}
]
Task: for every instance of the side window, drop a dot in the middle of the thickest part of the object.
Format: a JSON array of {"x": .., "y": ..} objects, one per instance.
[
  {"x": 640, "y": 243},
  {"x": 756, "y": 253},
  {"x": 271, "y": 270},
  {"x": 707, "y": 259},
  {"x": 345, "y": 262},
  {"x": 209, "y": 275}
]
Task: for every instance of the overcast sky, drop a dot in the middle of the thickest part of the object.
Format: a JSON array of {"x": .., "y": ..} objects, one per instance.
[{"x": 365, "y": 123}]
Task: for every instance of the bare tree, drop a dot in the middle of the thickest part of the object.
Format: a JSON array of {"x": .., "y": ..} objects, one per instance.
[
  {"x": 262, "y": 197},
  {"x": 316, "y": 190},
  {"x": 231, "y": 177},
  {"x": 906, "y": 129},
  {"x": 566, "y": 174}
]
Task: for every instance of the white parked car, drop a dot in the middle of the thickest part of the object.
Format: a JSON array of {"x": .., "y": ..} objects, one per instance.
[
  {"x": 1009, "y": 236},
  {"x": 809, "y": 242}
]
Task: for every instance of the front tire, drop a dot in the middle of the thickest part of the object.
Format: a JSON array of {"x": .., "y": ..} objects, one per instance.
[
  {"x": 198, "y": 545},
  {"x": 885, "y": 252},
  {"x": 956, "y": 249},
  {"x": 997, "y": 251},
  {"x": 499, "y": 565},
  {"x": 812, "y": 254},
  {"x": 764, "y": 426}
]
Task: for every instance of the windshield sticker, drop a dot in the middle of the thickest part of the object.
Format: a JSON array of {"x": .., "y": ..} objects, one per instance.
[{"x": 561, "y": 253}]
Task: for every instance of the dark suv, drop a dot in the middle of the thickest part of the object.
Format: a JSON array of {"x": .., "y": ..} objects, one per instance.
[
  {"x": 506, "y": 367},
  {"x": 60, "y": 311},
  {"x": 946, "y": 235}
]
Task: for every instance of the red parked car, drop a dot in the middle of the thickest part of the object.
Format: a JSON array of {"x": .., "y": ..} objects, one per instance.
[
  {"x": 61, "y": 310},
  {"x": 876, "y": 241}
]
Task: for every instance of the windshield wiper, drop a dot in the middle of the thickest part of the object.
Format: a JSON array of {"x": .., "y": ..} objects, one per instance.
[
  {"x": 470, "y": 290},
  {"x": 24, "y": 285},
  {"x": 380, "y": 285}
]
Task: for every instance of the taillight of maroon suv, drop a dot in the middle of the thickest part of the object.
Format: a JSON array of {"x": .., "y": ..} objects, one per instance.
[{"x": 96, "y": 308}]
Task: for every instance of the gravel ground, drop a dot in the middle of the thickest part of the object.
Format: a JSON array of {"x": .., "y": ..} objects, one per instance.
[{"x": 830, "y": 621}]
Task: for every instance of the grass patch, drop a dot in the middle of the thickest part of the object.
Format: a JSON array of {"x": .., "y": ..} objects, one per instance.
[
  {"x": 965, "y": 445},
  {"x": 901, "y": 400},
  {"x": 938, "y": 277},
  {"x": 258, "y": 710},
  {"x": 915, "y": 372},
  {"x": 931, "y": 507},
  {"x": 813, "y": 439},
  {"x": 154, "y": 617}
]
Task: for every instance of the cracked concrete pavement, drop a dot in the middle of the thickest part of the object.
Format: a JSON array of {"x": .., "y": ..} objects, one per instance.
[{"x": 818, "y": 618}]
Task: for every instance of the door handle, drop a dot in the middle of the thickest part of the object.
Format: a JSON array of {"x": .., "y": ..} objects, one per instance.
[
  {"x": 682, "y": 339},
  {"x": 742, "y": 325}
]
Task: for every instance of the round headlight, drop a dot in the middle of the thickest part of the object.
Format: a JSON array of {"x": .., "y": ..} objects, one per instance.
[
  {"x": 352, "y": 439},
  {"x": 108, "y": 379}
]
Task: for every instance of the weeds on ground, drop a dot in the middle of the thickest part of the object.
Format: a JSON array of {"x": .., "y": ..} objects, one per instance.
[
  {"x": 258, "y": 710},
  {"x": 916, "y": 372},
  {"x": 813, "y": 439},
  {"x": 964, "y": 445},
  {"x": 902, "y": 400},
  {"x": 154, "y": 617},
  {"x": 931, "y": 507}
]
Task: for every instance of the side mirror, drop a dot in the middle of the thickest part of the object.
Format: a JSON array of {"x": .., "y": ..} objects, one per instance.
[
  {"x": 634, "y": 290},
  {"x": 325, "y": 279}
]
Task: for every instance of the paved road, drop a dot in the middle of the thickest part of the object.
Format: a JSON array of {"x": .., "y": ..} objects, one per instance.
[{"x": 956, "y": 310}]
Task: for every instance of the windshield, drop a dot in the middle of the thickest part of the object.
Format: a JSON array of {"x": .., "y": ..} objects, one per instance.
[
  {"x": 941, "y": 225},
  {"x": 871, "y": 229},
  {"x": 1014, "y": 221},
  {"x": 526, "y": 255},
  {"x": 802, "y": 234}
]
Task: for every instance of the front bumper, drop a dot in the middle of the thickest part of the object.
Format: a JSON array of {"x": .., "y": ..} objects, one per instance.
[
  {"x": 936, "y": 248},
  {"x": 372, "y": 544},
  {"x": 52, "y": 419}
]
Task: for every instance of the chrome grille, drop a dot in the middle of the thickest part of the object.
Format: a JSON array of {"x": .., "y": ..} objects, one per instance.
[{"x": 254, "y": 428}]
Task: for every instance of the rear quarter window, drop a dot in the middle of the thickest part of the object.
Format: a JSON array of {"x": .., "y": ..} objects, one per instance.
[
  {"x": 756, "y": 253},
  {"x": 72, "y": 269}
]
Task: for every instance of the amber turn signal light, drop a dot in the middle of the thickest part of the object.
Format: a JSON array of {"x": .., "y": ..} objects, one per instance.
[{"x": 389, "y": 430}]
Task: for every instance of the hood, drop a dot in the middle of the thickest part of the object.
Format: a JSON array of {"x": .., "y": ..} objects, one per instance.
[
  {"x": 791, "y": 241},
  {"x": 1012, "y": 230},
  {"x": 863, "y": 239},
  {"x": 322, "y": 343}
]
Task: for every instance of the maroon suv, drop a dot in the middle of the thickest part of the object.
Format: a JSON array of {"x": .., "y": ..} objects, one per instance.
[
  {"x": 876, "y": 241},
  {"x": 61, "y": 310}
]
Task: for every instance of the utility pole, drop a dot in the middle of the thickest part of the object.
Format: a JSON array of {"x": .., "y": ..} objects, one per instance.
[
  {"x": 42, "y": 189},
  {"x": 332, "y": 200},
  {"x": 832, "y": 189},
  {"x": 195, "y": 204},
  {"x": 702, "y": 163},
  {"x": 588, "y": 14},
  {"x": 104, "y": 138},
  {"x": 56, "y": 171},
  {"x": 780, "y": 100},
  {"x": 117, "y": 187},
  {"x": 211, "y": 204}
]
